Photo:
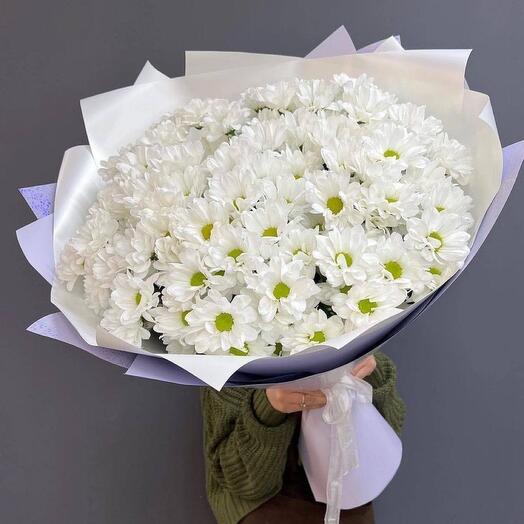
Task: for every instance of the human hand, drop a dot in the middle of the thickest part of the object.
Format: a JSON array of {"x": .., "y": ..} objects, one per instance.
[{"x": 289, "y": 401}]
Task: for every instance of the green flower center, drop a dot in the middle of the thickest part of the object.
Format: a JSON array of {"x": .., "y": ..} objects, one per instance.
[
  {"x": 392, "y": 199},
  {"x": 335, "y": 205},
  {"x": 281, "y": 290},
  {"x": 239, "y": 352},
  {"x": 318, "y": 337},
  {"x": 224, "y": 322},
  {"x": 367, "y": 306},
  {"x": 440, "y": 208},
  {"x": 391, "y": 153},
  {"x": 235, "y": 253},
  {"x": 138, "y": 298},
  {"x": 437, "y": 236},
  {"x": 270, "y": 232},
  {"x": 183, "y": 316},
  {"x": 345, "y": 289},
  {"x": 435, "y": 271},
  {"x": 206, "y": 231},
  {"x": 347, "y": 258},
  {"x": 394, "y": 268},
  {"x": 198, "y": 279}
]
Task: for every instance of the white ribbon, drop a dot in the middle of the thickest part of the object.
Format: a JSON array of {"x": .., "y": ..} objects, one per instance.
[{"x": 344, "y": 455}]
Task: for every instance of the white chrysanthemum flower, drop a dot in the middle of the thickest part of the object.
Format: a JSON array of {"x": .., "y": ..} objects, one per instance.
[
  {"x": 142, "y": 251},
  {"x": 272, "y": 96},
  {"x": 437, "y": 273},
  {"x": 97, "y": 231},
  {"x": 96, "y": 294},
  {"x": 174, "y": 183},
  {"x": 368, "y": 302},
  {"x": 194, "y": 223},
  {"x": 334, "y": 196},
  {"x": 166, "y": 251},
  {"x": 454, "y": 157},
  {"x": 299, "y": 162},
  {"x": 413, "y": 118},
  {"x": 267, "y": 134},
  {"x": 192, "y": 113},
  {"x": 283, "y": 288},
  {"x": 131, "y": 332},
  {"x": 449, "y": 198},
  {"x": 166, "y": 133},
  {"x": 364, "y": 102},
  {"x": 220, "y": 325},
  {"x": 239, "y": 189},
  {"x": 394, "y": 144},
  {"x": 401, "y": 265},
  {"x": 427, "y": 177},
  {"x": 343, "y": 256},
  {"x": 224, "y": 119},
  {"x": 289, "y": 190},
  {"x": 185, "y": 155},
  {"x": 315, "y": 95},
  {"x": 134, "y": 296},
  {"x": 232, "y": 248},
  {"x": 268, "y": 222},
  {"x": 298, "y": 244},
  {"x": 132, "y": 161},
  {"x": 171, "y": 321},
  {"x": 258, "y": 347},
  {"x": 314, "y": 328},
  {"x": 105, "y": 265},
  {"x": 338, "y": 154},
  {"x": 388, "y": 204},
  {"x": 185, "y": 279},
  {"x": 70, "y": 267},
  {"x": 439, "y": 235}
]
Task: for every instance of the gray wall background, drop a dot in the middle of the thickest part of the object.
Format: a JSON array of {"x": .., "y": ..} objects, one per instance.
[{"x": 81, "y": 443}]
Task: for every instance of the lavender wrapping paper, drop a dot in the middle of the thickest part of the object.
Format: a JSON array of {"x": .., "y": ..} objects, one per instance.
[{"x": 41, "y": 199}]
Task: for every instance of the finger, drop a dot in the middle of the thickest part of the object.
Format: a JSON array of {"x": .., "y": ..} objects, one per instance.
[
  {"x": 357, "y": 368},
  {"x": 313, "y": 403},
  {"x": 307, "y": 396},
  {"x": 311, "y": 399},
  {"x": 366, "y": 370}
]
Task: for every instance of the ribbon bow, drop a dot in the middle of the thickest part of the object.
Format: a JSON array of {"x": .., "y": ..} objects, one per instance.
[{"x": 344, "y": 454}]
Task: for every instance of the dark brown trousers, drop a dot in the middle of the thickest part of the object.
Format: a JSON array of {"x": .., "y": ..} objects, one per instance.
[{"x": 295, "y": 503}]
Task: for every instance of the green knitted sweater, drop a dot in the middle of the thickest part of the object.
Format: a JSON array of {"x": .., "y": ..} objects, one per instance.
[{"x": 246, "y": 441}]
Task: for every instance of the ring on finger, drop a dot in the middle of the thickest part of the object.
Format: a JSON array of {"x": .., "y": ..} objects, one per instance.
[{"x": 303, "y": 403}]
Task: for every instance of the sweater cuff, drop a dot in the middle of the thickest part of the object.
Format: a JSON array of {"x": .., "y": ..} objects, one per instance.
[{"x": 264, "y": 411}]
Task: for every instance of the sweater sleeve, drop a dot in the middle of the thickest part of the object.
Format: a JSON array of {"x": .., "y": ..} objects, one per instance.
[
  {"x": 246, "y": 441},
  {"x": 385, "y": 395}
]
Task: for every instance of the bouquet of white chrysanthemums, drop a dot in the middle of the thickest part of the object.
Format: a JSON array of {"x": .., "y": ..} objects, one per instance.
[
  {"x": 311, "y": 218},
  {"x": 265, "y": 225}
]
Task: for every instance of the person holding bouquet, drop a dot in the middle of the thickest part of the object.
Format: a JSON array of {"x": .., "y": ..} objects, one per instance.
[{"x": 253, "y": 472}]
